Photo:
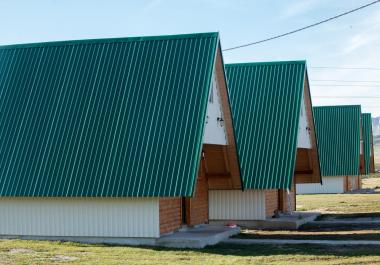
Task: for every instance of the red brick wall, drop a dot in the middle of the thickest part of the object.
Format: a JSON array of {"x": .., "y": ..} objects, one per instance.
[
  {"x": 372, "y": 164},
  {"x": 198, "y": 204},
  {"x": 271, "y": 202},
  {"x": 278, "y": 200},
  {"x": 362, "y": 164},
  {"x": 284, "y": 199},
  {"x": 353, "y": 182},
  {"x": 346, "y": 184},
  {"x": 170, "y": 214}
]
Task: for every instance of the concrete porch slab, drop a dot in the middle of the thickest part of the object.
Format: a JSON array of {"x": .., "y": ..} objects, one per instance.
[
  {"x": 284, "y": 222},
  {"x": 197, "y": 237}
]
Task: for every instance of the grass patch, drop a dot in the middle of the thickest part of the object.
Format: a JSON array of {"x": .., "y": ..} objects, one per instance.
[
  {"x": 344, "y": 203},
  {"x": 372, "y": 182},
  {"x": 44, "y": 252},
  {"x": 339, "y": 203}
]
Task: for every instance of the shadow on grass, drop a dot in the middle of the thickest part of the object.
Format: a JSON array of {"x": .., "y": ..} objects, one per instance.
[
  {"x": 310, "y": 236},
  {"x": 272, "y": 250},
  {"x": 343, "y": 216},
  {"x": 243, "y": 250}
]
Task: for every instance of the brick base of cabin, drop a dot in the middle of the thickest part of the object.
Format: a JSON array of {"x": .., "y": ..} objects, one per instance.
[
  {"x": 196, "y": 207},
  {"x": 287, "y": 201},
  {"x": 372, "y": 164},
  {"x": 279, "y": 200},
  {"x": 271, "y": 202},
  {"x": 362, "y": 164},
  {"x": 351, "y": 183},
  {"x": 170, "y": 214}
]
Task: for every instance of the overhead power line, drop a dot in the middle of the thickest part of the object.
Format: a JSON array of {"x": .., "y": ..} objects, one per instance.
[
  {"x": 346, "y": 68},
  {"x": 303, "y": 28}
]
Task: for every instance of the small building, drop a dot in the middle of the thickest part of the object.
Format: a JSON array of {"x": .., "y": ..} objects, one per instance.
[
  {"x": 275, "y": 137},
  {"x": 340, "y": 144},
  {"x": 113, "y": 140},
  {"x": 369, "y": 157}
]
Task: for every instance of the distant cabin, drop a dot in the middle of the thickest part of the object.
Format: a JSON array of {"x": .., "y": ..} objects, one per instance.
[
  {"x": 368, "y": 156},
  {"x": 275, "y": 137},
  {"x": 341, "y": 148}
]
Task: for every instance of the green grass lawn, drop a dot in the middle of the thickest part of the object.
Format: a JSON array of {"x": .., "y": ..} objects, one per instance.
[
  {"x": 343, "y": 203},
  {"x": 43, "y": 252},
  {"x": 339, "y": 203}
]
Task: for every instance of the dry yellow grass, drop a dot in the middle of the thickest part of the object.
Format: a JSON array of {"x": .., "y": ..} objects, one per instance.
[{"x": 344, "y": 203}]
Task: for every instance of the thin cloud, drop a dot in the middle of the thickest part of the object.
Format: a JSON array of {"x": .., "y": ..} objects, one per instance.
[{"x": 298, "y": 8}]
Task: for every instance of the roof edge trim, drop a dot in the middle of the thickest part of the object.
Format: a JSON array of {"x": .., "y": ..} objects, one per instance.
[
  {"x": 266, "y": 63},
  {"x": 109, "y": 40}
]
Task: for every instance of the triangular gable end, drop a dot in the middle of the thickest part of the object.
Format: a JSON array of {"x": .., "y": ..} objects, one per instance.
[
  {"x": 215, "y": 129},
  {"x": 307, "y": 169},
  {"x": 220, "y": 160}
]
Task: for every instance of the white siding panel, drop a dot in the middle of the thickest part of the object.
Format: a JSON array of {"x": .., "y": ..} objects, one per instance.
[
  {"x": 87, "y": 217},
  {"x": 215, "y": 131},
  {"x": 330, "y": 185},
  {"x": 303, "y": 139},
  {"x": 236, "y": 205}
]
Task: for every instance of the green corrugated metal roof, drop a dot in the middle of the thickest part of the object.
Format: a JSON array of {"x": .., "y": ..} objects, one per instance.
[
  {"x": 265, "y": 101},
  {"x": 338, "y": 135},
  {"x": 108, "y": 117},
  {"x": 367, "y": 131}
]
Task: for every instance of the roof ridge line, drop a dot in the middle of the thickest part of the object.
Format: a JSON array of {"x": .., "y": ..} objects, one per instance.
[
  {"x": 266, "y": 63},
  {"x": 109, "y": 40}
]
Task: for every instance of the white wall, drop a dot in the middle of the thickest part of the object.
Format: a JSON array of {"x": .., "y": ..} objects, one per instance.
[
  {"x": 303, "y": 139},
  {"x": 330, "y": 185},
  {"x": 89, "y": 217},
  {"x": 236, "y": 205},
  {"x": 215, "y": 131}
]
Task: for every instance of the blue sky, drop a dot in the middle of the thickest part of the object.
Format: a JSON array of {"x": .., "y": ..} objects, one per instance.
[{"x": 351, "y": 41}]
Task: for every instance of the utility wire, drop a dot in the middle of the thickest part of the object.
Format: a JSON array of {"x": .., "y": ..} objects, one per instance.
[{"x": 303, "y": 28}]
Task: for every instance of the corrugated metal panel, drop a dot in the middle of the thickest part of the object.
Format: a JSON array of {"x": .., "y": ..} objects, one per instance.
[
  {"x": 106, "y": 217},
  {"x": 330, "y": 185},
  {"x": 236, "y": 205},
  {"x": 113, "y": 117},
  {"x": 367, "y": 132},
  {"x": 338, "y": 135},
  {"x": 265, "y": 101}
]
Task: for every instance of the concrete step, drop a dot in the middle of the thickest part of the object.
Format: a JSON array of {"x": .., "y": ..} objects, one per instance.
[{"x": 197, "y": 237}]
